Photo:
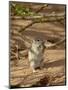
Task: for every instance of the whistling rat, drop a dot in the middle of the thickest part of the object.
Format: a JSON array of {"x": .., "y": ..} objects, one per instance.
[{"x": 35, "y": 54}]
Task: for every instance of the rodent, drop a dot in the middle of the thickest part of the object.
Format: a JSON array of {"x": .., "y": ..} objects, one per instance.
[{"x": 35, "y": 54}]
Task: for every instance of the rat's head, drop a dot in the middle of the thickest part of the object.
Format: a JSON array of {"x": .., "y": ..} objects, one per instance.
[{"x": 37, "y": 43}]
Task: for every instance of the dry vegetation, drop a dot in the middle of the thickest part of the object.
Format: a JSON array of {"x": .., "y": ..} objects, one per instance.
[{"x": 42, "y": 21}]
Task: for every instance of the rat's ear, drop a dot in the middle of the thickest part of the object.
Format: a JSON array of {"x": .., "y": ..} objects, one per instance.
[
  {"x": 44, "y": 44},
  {"x": 33, "y": 41}
]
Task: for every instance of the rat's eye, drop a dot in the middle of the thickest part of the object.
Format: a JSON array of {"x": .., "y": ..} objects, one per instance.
[{"x": 38, "y": 40}]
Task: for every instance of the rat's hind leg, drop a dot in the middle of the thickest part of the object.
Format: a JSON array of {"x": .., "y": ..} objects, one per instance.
[
  {"x": 41, "y": 64},
  {"x": 32, "y": 65},
  {"x": 33, "y": 69}
]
